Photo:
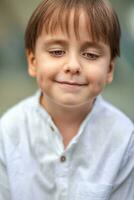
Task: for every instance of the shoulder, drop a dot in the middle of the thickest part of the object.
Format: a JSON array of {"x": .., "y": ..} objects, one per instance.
[
  {"x": 17, "y": 114},
  {"x": 114, "y": 115},
  {"x": 109, "y": 123},
  {"x": 113, "y": 129}
]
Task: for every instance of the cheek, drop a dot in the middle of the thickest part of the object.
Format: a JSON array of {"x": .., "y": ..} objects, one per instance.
[
  {"x": 96, "y": 76},
  {"x": 41, "y": 79},
  {"x": 44, "y": 78},
  {"x": 97, "y": 81},
  {"x": 45, "y": 72}
]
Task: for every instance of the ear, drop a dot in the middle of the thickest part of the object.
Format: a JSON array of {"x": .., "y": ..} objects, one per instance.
[
  {"x": 110, "y": 74},
  {"x": 32, "y": 67}
]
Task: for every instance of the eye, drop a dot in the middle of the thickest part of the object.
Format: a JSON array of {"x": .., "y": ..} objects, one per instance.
[
  {"x": 90, "y": 56},
  {"x": 57, "y": 53}
]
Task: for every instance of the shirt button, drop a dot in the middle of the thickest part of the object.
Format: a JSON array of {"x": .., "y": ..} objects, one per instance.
[{"x": 62, "y": 158}]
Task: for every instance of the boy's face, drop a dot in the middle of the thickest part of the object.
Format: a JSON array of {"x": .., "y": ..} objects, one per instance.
[{"x": 70, "y": 71}]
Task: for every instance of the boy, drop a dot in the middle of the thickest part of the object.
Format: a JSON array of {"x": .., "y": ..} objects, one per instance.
[{"x": 66, "y": 142}]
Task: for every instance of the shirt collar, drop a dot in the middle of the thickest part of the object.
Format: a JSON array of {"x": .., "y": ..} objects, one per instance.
[{"x": 44, "y": 114}]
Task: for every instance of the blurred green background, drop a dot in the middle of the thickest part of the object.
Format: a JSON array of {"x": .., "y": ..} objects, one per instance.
[{"x": 15, "y": 84}]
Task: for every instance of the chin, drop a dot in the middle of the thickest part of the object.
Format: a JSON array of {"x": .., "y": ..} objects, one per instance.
[{"x": 72, "y": 104}]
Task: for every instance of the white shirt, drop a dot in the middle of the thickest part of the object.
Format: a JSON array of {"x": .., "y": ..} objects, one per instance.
[{"x": 98, "y": 164}]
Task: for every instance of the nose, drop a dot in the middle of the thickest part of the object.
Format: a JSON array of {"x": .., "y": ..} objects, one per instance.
[{"x": 72, "y": 65}]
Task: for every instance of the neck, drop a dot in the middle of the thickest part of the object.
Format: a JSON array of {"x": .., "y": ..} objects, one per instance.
[
  {"x": 65, "y": 114},
  {"x": 67, "y": 119}
]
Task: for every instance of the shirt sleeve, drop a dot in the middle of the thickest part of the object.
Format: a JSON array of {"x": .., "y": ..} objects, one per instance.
[
  {"x": 124, "y": 183},
  {"x": 4, "y": 183}
]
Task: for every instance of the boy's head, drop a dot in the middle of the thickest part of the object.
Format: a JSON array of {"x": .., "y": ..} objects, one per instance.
[
  {"x": 100, "y": 18},
  {"x": 71, "y": 47}
]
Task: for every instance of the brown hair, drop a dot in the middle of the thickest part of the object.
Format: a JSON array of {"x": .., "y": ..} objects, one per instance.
[{"x": 54, "y": 14}]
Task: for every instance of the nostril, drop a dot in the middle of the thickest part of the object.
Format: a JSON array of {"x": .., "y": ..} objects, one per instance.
[
  {"x": 78, "y": 71},
  {"x": 67, "y": 70},
  {"x": 72, "y": 69}
]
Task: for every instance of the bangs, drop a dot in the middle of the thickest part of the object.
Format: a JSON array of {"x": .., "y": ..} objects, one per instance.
[{"x": 59, "y": 19}]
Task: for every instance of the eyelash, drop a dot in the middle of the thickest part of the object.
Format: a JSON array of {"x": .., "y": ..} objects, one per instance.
[
  {"x": 60, "y": 53},
  {"x": 57, "y": 53},
  {"x": 91, "y": 56}
]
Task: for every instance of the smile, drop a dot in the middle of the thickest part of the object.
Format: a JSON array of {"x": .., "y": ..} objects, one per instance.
[{"x": 71, "y": 83}]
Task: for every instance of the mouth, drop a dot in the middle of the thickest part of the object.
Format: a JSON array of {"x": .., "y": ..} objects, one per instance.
[{"x": 71, "y": 83}]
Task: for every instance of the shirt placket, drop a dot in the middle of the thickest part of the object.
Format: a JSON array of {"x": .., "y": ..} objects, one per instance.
[{"x": 61, "y": 175}]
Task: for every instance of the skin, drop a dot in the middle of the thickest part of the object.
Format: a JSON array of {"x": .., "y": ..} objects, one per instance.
[{"x": 71, "y": 73}]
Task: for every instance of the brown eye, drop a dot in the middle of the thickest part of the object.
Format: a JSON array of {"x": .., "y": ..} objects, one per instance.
[
  {"x": 90, "y": 56},
  {"x": 57, "y": 53}
]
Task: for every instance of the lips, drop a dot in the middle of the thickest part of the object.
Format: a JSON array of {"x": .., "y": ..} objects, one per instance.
[{"x": 73, "y": 83}]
